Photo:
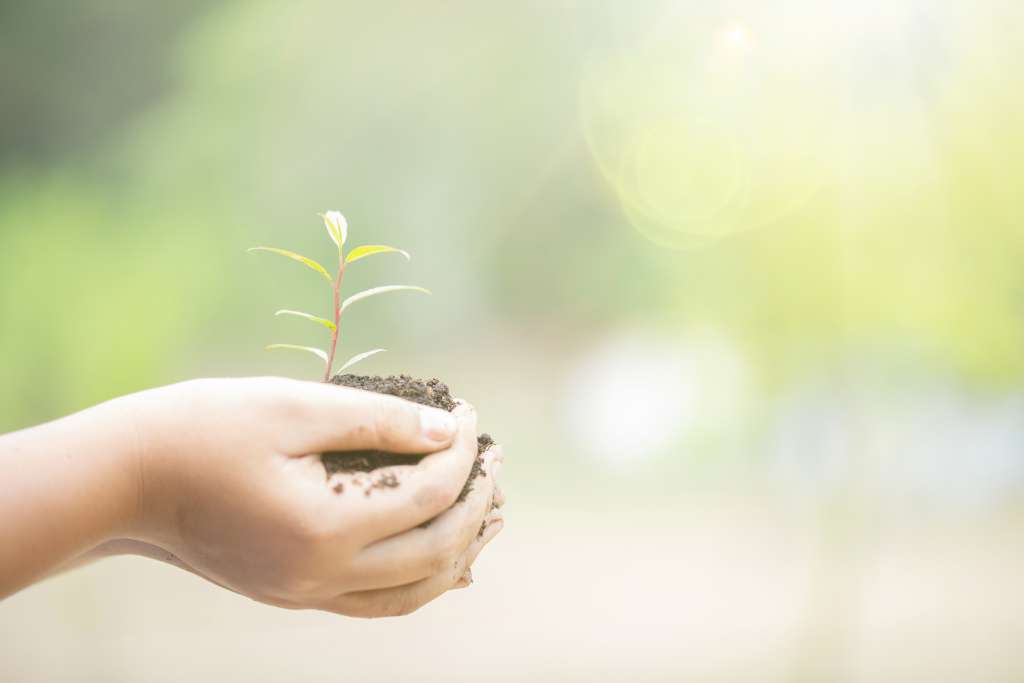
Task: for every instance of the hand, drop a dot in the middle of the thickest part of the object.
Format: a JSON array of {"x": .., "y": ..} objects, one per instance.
[{"x": 232, "y": 488}]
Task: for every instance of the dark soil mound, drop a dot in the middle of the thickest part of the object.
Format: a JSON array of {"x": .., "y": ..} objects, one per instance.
[{"x": 433, "y": 393}]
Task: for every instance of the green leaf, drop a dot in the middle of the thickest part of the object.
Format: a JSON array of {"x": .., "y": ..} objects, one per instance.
[
  {"x": 379, "y": 290},
  {"x": 371, "y": 249},
  {"x": 297, "y": 257},
  {"x": 358, "y": 357},
  {"x": 323, "y": 321},
  {"x": 319, "y": 353},
  {"x": 337, "y": 227}
]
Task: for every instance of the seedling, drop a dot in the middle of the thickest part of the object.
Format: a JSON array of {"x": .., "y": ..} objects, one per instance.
[{"x": 337, "y": 230}]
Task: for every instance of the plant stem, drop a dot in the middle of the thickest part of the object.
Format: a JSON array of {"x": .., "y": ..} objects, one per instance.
[{"x": 337, "y": 316}]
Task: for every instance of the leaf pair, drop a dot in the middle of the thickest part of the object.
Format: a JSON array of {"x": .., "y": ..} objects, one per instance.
[
  {"x": 322, "y": 355},
  {"x": 365, "y": 294},
  {"x": 355, "y": 255}
]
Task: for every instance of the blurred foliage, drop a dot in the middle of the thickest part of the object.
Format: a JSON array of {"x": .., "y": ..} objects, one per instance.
[
  {"x": 74, "y": 73},
  {"x": 818, "y": 189}
]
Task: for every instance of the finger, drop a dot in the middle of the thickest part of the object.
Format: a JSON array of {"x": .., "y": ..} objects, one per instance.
[
  {"x": 421, "y": 552},
  {"x": 499, "y": 493},
  {"x": 427, "y": 488},
  {"x": 466, "y": 581},
  {"x": 402, "y": 600},
  {"x": 390, "y": 476},
  {"x": 333, "y": 418}
]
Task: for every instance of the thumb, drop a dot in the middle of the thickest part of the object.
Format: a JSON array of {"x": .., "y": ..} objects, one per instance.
[{"x": 345, "y": 419}]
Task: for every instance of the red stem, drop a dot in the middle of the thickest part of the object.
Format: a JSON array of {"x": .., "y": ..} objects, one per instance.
[{"x": 337, "y": 316}]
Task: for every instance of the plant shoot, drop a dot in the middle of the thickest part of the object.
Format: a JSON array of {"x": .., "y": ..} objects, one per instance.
[{"x": 337, "y": 230}]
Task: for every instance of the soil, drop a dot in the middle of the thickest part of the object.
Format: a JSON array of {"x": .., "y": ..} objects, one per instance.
[{"x": 433, "y": 393}]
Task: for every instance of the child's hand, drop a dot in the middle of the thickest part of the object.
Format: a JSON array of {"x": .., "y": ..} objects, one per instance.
[
  {"x": 231, "y": 485},
  {"x": 223, "y": 478}
]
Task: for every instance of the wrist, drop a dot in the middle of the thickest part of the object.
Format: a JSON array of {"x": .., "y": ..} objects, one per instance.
[
  {"x": 161, "y": 422},
  {"x": 110, "y": 470},
  {"x": 141, "y": 463}
]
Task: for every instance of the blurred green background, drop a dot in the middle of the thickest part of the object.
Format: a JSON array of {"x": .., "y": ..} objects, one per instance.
[{"x": 739, "y": 285}]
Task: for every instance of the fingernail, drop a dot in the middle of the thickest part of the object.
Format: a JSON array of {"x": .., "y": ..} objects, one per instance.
[
  {"x": 437, "y": 425},
  {"x": 495, "y": 468}
]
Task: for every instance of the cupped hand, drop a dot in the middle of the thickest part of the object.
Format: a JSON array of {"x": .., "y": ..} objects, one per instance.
[{"x": 231, "y": 487}]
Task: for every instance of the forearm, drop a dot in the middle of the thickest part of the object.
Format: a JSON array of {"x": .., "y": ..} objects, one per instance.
[{"x": 67, "y": 486}]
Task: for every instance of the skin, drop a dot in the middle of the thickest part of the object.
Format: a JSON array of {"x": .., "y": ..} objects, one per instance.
[{"x": 222, "y": 478}]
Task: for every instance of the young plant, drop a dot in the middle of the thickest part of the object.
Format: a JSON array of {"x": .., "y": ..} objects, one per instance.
[{"x": 337, "y": 230}]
